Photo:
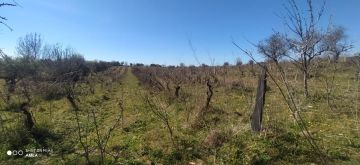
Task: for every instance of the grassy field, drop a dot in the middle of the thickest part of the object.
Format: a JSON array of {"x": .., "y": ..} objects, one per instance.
[{"x": 153, "y": 126}]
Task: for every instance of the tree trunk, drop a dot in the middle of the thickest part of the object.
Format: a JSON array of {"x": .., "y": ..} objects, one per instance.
[
  {"x": 306, "y": 91},
  {"x": 177, "y": 89},
  {"x": 11, "y": 88},
  {"x": 337, "y": 57},
  {"x": 256, "y": 117},
  {"x": 209, "y": 94}
]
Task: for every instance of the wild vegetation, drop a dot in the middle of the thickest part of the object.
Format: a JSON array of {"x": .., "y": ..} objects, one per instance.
[
  {"x": 182, "y": 115},
  {"x": 299, "y": 106}
]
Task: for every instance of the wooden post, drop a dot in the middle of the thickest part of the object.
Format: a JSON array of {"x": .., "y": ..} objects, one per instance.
[
  {"x": 29, "y": 123},
  {"x": 256, "y": 116}
]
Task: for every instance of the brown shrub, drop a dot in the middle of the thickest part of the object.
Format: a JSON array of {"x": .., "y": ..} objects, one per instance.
[{"x": 216, "y": 138}]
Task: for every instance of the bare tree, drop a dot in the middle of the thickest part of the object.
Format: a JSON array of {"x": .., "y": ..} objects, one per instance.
[
  {"x": 4, "y": 19},
  {"x": 72, "y": 100},
  {"x": 21, "y": 68},
  {"x": 30, "y": 46},
  {"x": 335, "y": 42},
  {"x": 102, "y": 140},
  {"x": 274, "y": 48},
  {"x": 306, "y": 35},
  {"x": 161, "y": 113},
  {"x": 239, "y": 64},
  {"x": 289, "y": 98},
  {"x": 209, "y": 93},
  {"x": 52, "y": 52},
  {"x": 181, "y": 65}
]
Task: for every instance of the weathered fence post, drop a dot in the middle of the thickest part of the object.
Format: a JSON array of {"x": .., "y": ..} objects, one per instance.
[
  {"x": 29, "y": 123},
  {"x": 256, "y": 116}
]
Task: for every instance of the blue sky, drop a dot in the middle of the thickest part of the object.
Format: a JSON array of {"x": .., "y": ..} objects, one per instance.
[{"x": 157, "y": 31}]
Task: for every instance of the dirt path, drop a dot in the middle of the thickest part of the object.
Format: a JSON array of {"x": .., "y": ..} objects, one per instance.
[{"x": 140, "y": 129}]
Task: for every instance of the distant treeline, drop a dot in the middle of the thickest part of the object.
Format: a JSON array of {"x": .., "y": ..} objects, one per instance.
[{"x": 46, "y": 61}]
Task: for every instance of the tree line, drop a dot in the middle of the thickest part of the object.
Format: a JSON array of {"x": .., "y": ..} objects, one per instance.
[{"x": 49, "y": 62}]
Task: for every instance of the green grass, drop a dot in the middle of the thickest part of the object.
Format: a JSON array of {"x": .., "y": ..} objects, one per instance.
[{"x": 142, "y": 138}]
